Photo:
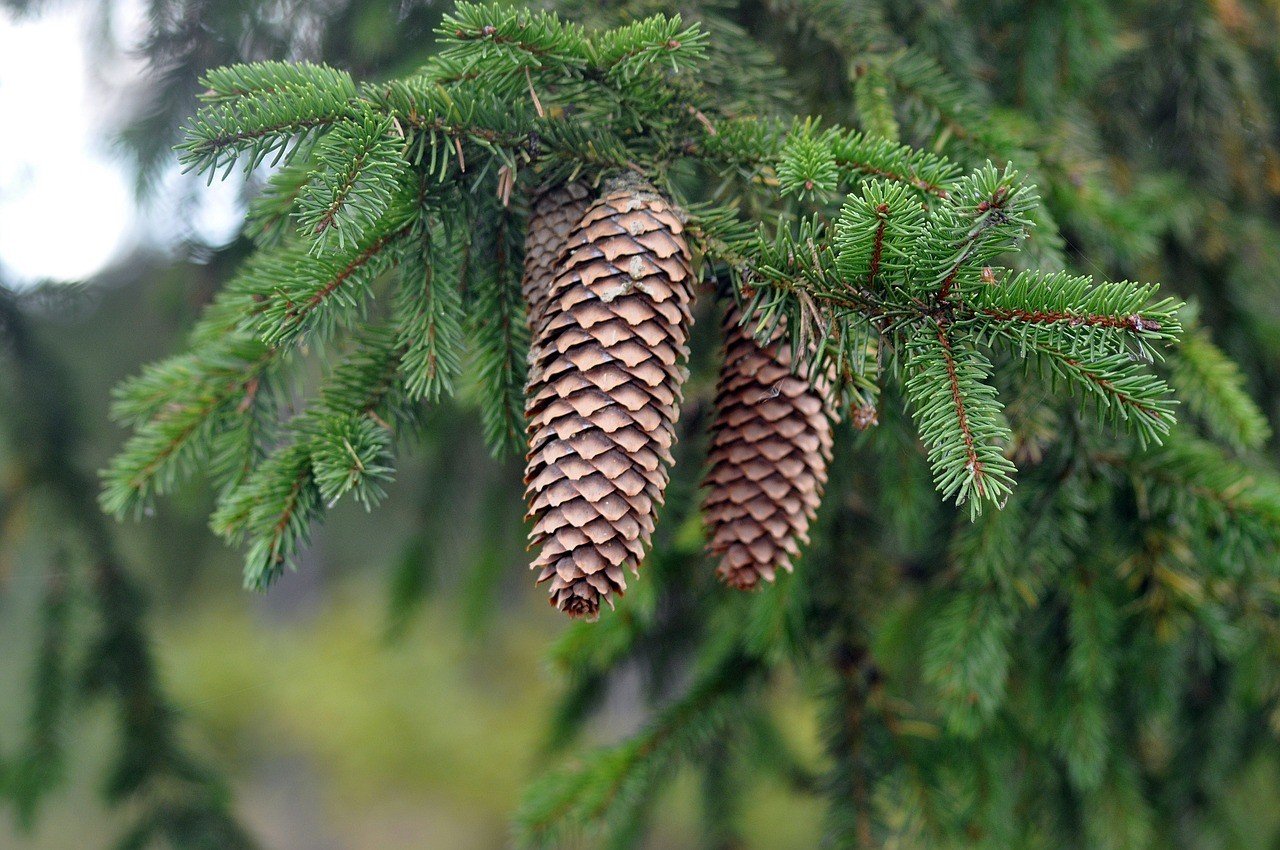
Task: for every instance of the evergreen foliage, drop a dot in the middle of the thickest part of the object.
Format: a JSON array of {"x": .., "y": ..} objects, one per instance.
[
  {"x": 1089, "y": 653},
  {"x": 895, "y": 268},
  {"x": 915, "y": 274}
]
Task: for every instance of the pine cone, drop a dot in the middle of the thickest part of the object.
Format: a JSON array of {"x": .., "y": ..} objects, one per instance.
[
  {"x": 770, "y": 447},
  {"x": 555, "y": 212},
  {"x": 605, "y": 395}
]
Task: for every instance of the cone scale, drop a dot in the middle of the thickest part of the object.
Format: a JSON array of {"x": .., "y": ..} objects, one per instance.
[
  {"x": 555, "y": 212},
  {"x": 608, "y": 362}
]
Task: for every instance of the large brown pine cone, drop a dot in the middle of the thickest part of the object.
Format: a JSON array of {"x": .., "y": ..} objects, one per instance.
[
  {"x": 770, "y": 447},
  {"x": 605, "y": 395}
]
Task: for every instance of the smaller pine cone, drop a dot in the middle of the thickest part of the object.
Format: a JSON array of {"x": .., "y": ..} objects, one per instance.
[
  {"x": 604, "y": 394},
  {"x": 556, "y": 210},
  {"x": 770, "y": 447}
]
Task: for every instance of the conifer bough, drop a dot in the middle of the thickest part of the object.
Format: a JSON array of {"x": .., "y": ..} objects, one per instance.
[{"x": 387, "y": 230}]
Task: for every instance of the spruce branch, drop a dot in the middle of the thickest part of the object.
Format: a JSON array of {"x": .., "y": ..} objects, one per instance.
[
  {"x": 876, "y": 236},
  {"x": 601, "y": 794},
  {"x": 864, "y": 252},
  {"x": 429, "y": 314},
  {"x": 497, "y": 328},
  {"x": 967, "y": 650},
  {"x": 966, "y": 656},
  {"x": 1080, "y": 674},
  {"x": 233, "y": 82},
  {"x": 807, "y": 165},
  {"x": 215, "y": 344},
  {"x": 299, "y": 294},
  {"x": 510, "y": 39},
  {"x": 354, "y": 456},
  {"x": 757, "y": 148},
  {"x": 141, "y": 397},
  {"x": 872, "y": 97},
  {"x": 958, "y": 416},
  {"x": 340, "y": 444},
  {"x": 1124, "y": 390},
  {"x": 442, "y": 122},
  {"x": 176, "y": 796},
  {"x": 357, "y": 173},
  {"x": 501, "y": 44},
  {"x": 278, "y": 516},
  {"x": 263, "y": 122},
  {"x": 984, "y": 216},
  {"x": 623, "y": 52},
  {"x": 1194, "y": 481},
  {"x": 272, "y": 214},
  {"x": 892, "y": 265},
  {"x": 905, "y": 271},
  {"x": 1096, "y": 318},
  {"x": 205, "y": 405},
  {"x": 186, "y": 403},
  {"x": 1213, "y": 388}
]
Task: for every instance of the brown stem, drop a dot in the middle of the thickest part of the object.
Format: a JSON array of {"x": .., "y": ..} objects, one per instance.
[{"x": 962, "y": 415}]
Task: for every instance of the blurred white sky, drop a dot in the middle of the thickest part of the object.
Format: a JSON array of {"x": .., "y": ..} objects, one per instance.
[{"x": 67, "y": 207}]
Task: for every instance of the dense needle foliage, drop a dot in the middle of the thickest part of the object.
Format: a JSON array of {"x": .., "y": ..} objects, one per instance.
[{"x": 1035, "y": 608}]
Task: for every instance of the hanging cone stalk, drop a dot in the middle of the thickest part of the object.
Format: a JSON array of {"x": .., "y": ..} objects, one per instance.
[
  {"x": 604, "y": 395},
  {"x": 770, "y": 447}
]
